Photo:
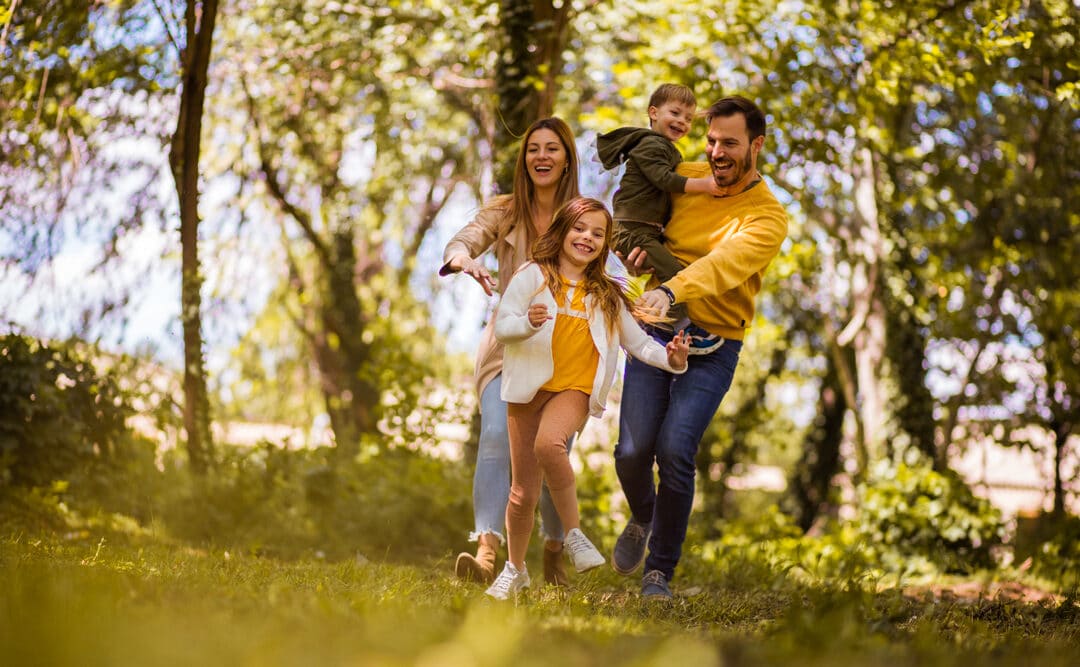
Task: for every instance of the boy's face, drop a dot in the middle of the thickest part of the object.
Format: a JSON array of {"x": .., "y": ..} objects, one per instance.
[{"x": 671, "y": 119}]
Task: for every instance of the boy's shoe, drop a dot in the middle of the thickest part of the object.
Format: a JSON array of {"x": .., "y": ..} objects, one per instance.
[
  {"x": 629, "y": 551},
  {"x": 654, "y": 586},
  {"x": 582, "y": 553},
  {"x": 701, "y": 341},
  {"x": 509, "y": 582}
]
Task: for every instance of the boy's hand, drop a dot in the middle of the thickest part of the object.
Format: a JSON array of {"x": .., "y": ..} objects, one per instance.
[
  {"x": 678, "y": 350},
  {"x": 637, "y": 262},
  {"x": 538, "y": 314}
]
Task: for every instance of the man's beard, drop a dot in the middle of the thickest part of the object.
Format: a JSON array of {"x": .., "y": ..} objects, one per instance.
[{"x": 739, "y": 169}]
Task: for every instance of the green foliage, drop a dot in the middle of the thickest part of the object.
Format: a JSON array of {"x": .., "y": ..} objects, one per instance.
[
  {"x": 908, "y": 521},
  {"x": 57, "y": 411},
  {"x": 81, "y": 85},
  {"x": 909, "y": 518},
  {"x": 272, "y": 501},
  {"x": 1057, "y": 551}
]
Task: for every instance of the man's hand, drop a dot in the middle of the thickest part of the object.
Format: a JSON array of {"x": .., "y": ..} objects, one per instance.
[
  {"x": 538, "y": 314},
  {"x": 678, "y": 350},
  {"x": 474, "y": 268},
  {"x": 655, "y": 302}
]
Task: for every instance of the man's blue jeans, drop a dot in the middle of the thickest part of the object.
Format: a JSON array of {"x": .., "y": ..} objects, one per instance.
[{"x": 662, "y": 419}]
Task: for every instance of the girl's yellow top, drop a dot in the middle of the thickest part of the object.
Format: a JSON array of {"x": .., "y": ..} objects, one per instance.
[{"x": 573, "y": 352}]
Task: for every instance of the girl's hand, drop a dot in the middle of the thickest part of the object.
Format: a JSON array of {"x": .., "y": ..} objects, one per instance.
[
  {"x": 678, "y": 350},
  {"x": 538, "y": 314},
  {"x": 474, "y": 268}
]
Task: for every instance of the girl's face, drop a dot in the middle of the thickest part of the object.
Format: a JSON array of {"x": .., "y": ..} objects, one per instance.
[
  {"x": 585, "y": 241},
  {"x": 545, "y": 158}
]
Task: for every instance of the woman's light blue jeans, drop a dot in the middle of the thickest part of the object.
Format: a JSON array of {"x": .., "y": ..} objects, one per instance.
[{"x": 491, "y": 480}]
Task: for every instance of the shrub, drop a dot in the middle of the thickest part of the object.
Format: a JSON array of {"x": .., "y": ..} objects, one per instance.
[
  {"x": 1057, "y": 552},
  {"x": 58, "y": 413},
  {"x": 911, "y": 518},
  {"x": 289, "y": 503}
]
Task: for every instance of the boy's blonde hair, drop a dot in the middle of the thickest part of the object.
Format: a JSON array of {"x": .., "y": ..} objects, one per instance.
[{"x": 672, "y": 92}]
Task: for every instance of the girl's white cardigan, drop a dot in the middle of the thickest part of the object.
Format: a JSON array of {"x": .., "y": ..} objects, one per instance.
[{"x": 527, "y": 363}]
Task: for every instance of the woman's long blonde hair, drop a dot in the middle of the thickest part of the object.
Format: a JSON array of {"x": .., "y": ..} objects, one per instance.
[{"x": 607, "y": 293}]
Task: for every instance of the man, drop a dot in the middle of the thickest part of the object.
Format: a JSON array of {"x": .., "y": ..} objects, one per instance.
[{"x": 726, "y": 243}]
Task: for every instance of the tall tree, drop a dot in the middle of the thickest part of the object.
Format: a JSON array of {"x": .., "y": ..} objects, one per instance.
[
  {"x": 357, "y": 132},
  {"x": 199, "y": 20}
]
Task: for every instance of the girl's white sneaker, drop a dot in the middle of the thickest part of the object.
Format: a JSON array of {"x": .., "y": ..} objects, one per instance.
[
  {"x": 583, "y": 554},
  {"x": 509, "y": 581}
]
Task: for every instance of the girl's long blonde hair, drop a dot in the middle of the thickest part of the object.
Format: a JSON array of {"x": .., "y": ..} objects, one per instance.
[{"x": 607, "y": 293}]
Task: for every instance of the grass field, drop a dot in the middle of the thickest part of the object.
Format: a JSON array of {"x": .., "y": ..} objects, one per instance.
[{"x": 111, "y": 598}]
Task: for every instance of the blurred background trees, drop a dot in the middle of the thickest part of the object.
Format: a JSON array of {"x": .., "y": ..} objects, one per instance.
[{"x": 926, "y": 298}]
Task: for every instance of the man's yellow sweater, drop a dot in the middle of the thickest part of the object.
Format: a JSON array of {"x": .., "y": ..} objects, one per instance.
[{"x": 726, "y": 243}]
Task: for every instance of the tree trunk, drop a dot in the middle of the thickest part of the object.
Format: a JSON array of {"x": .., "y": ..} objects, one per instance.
[
  {"x": 820, "y": 459},
  {"x": 354, "y": 399},
  {"x": 1061, "y": 436},
  {"x": 184, "y": 161},
  {"x": 906, "y": 350}
]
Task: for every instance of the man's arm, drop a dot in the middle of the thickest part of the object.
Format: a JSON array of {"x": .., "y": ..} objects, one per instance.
[
  {"x": 727, "y": 266},
  {"x": 734, "y": 260}
]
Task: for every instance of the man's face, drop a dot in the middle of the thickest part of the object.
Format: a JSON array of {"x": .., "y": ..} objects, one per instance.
[{"x": 732, "y": 156}]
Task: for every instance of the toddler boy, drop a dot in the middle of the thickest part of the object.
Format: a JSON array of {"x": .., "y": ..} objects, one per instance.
[{"x": 642, "y": 204}]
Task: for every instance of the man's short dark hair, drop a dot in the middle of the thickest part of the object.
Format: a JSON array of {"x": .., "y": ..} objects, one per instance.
[{"x": 729, "y": 106}]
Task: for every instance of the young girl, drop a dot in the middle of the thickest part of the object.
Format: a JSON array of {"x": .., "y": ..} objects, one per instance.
[{"x": 562, "y": 320}]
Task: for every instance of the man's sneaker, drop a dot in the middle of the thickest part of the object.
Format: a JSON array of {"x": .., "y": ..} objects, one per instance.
[
  {"x": 654, "y": 586},
  {"x": 509, "y": 582},
  {"x": 582, "y": 553},
  {"x": 701, "y": 341},
  {"x": 629, "y": 552}
]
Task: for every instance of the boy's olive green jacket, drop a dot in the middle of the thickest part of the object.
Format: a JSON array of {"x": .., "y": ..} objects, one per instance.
[{"x": 651, "y": 158}]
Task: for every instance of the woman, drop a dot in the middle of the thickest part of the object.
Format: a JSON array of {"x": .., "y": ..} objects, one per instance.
[{"x": 545, "y": 177}]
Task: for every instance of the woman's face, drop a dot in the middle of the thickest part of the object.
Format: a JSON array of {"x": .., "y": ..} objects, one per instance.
[{"x": 545, "y": 158}]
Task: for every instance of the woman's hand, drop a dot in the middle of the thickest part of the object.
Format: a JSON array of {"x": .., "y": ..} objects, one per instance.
[
  {"x": 474, "y": 268},
  {"x": 538, "y": 314},
  {"x": 678, "y": 350}
]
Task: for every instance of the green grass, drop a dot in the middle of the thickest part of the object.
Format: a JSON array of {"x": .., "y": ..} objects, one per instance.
[{"x": 103, "y": 597}]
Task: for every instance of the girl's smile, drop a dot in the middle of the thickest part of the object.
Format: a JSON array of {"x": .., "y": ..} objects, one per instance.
[{"x": 584, "y": 242}]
